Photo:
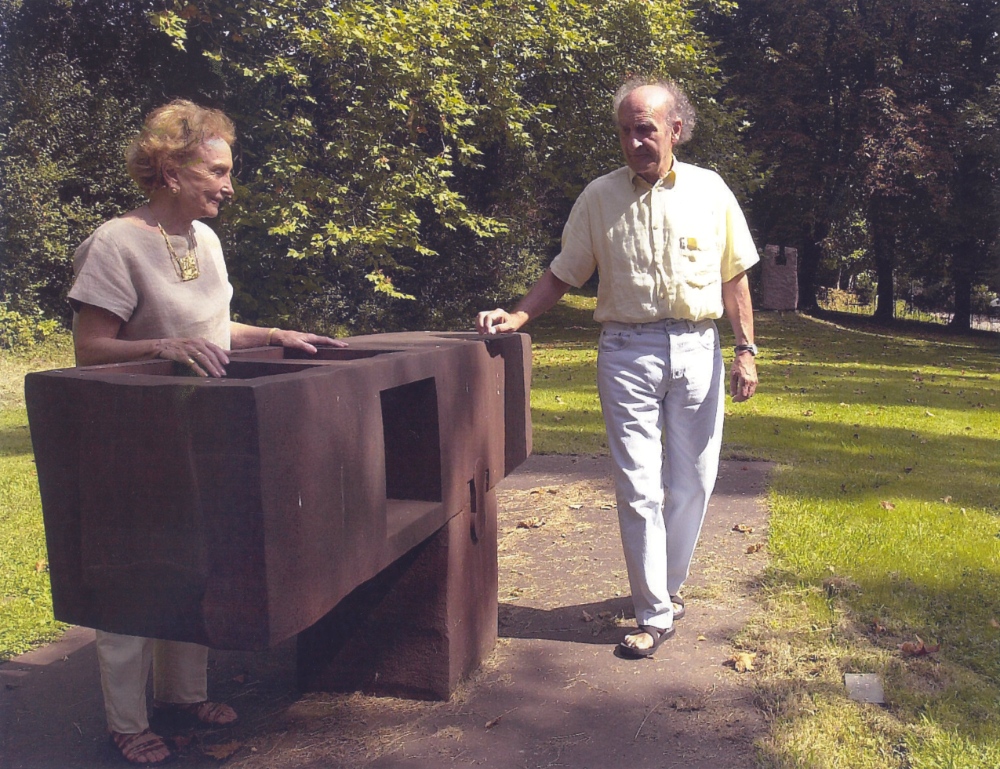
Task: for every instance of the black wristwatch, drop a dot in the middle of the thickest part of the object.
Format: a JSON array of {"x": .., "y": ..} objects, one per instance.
[{"x": 750, "y": 348}]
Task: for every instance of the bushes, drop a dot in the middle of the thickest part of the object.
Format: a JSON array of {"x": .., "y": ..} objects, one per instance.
[
  {"x": 61, "y": 174},
  {"x": 19, "y": 330}
]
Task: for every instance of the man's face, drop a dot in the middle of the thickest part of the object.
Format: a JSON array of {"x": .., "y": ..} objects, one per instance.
[{"x": 648, "y": 132}]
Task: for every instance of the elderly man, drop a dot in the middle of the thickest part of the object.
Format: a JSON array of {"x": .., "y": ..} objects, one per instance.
[{"x": 671, "y": 246}]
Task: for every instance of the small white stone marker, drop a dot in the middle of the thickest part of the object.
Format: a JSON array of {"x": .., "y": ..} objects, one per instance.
[{"x": 864, "y": 687}]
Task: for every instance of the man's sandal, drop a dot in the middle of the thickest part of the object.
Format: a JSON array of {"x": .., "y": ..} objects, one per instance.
[
  {"x": 657, "y": 634},
  {"x": 145, "y": 748},
  {"x": 678, "y": 606},
  {"x": 206, "y": 713}
]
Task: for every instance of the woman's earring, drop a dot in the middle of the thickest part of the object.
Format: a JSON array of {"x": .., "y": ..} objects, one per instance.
[{"x": 174, "y": 191}]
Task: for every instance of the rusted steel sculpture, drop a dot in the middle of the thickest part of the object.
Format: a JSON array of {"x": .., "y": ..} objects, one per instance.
[{"x": 348, "y": 498}]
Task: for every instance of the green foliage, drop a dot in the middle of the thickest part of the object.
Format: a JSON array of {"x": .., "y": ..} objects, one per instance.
[
  {"x": 18, "y": 330},
  {"x": 876, "y": 116},
  {"x": 399, "y": 164},
  {"x": 61, "y": 175},
  {"x": 430, "y": 146}
]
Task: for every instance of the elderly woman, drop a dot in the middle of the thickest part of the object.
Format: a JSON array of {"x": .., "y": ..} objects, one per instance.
[{"x": 153, "y": 284}]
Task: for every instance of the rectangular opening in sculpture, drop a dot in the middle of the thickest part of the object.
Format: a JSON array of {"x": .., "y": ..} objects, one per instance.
[
  {"x": 412, "y": 451},
  {"x": 334, "y": 353}
]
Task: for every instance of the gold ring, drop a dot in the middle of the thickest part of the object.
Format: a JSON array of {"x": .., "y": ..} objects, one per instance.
[{"x": 190, "y": 361}]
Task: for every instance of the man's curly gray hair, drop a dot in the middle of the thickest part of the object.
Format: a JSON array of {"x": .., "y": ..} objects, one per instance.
[{"x": 682, "y": 106}]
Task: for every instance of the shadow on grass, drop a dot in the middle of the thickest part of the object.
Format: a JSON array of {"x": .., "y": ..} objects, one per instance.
[{"x": 15, "y": 441}]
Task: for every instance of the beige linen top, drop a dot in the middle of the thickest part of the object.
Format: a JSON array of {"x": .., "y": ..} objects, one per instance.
[
  {"x": 126, "y": 269},
  {"x": 663, "y": 251}
]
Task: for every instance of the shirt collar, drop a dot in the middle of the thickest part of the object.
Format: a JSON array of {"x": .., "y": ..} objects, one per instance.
[{"x": 638, "y": 183}]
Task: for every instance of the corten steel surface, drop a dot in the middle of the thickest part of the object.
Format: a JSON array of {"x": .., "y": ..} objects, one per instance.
[{"x": 238, "y": 512}]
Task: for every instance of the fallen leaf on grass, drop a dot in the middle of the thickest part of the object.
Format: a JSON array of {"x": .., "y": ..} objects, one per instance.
[
  {"x": 755, "y": 547},
  {"x": 742, "y": 662},
  {"x": 994, "y": 623},
  {"x": 531, "y": 523},
  {"x": 877, "y": 627},
  {"x": 918, "y": 648},
  {"x": 41, "y": 566},
  {"x": 808, "y": 413},
  {"x": 946, "y": 500},
  {"x": 743, "y": 528},
  {"x": 222, "y": 751},
  {"x": 887, "y": 505}
]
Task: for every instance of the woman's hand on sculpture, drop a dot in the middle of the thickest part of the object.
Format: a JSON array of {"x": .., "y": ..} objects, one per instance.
[{"x": 201, "y": 356}]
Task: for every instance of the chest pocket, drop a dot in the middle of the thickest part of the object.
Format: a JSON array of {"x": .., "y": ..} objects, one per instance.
[{"x": 699, "y": 256}]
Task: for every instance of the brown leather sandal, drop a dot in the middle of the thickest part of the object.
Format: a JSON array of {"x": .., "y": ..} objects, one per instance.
[
  {"x": 678, "y": 606},
  {"x": 205, "y": 712},
  {"x": 138, "y": 748},
  {"x": 659, "y": 635}
]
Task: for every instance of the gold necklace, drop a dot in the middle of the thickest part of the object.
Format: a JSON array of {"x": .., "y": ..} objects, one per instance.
[{"x": 187, "y": 266}]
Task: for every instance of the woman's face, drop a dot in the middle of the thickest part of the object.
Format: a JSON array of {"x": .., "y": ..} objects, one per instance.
[{"x": 203, "y": 182}]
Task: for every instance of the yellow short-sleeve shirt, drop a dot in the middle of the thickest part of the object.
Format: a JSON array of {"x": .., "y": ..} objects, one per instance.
[{"x": 662, "y": 251}]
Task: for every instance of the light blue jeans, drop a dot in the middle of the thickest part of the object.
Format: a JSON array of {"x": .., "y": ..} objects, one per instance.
[{"x": 662, "y": 392}]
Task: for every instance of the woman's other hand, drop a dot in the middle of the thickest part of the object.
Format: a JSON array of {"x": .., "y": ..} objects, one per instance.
[{"x": 303, "y": 341}]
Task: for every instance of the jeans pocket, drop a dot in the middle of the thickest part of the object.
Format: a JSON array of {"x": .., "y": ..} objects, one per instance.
[
  {"x": 707, "y": 336},
  {"x": 614, "y": 340}
]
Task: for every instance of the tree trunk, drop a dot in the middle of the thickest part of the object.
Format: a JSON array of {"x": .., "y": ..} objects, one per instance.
[
  {"x": 884, "y": 247},
  {"x": 809, "y": 260},
  {"x": 962, "y": 280},
  {"x": 883, "y": 241}
]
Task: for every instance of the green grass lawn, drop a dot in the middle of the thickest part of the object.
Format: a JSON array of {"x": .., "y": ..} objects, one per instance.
[
  {"x": 25, "y": 599},
  {"x": 884, "y": 528}
]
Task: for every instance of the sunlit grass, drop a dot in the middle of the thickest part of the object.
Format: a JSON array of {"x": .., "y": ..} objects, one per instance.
[
  {"x": 25, "y": 597},
  {"x": 884, "y": 528}
]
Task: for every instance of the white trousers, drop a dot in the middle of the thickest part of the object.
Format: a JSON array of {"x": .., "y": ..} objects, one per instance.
[
  {"x": 180, "y": 675},
  {"x": 662, "y": 393}
]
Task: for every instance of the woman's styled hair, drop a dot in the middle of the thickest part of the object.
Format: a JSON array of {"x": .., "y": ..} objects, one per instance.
[{"x": 171, "y": 133}]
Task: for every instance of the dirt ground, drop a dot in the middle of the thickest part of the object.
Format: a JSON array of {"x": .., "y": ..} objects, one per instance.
[{"x": 553, "y": 694}]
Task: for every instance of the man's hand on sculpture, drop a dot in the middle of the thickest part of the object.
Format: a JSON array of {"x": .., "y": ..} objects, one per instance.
[
  {"x": 743, "y": 377},
  {"x": 497, "y": 321}
]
